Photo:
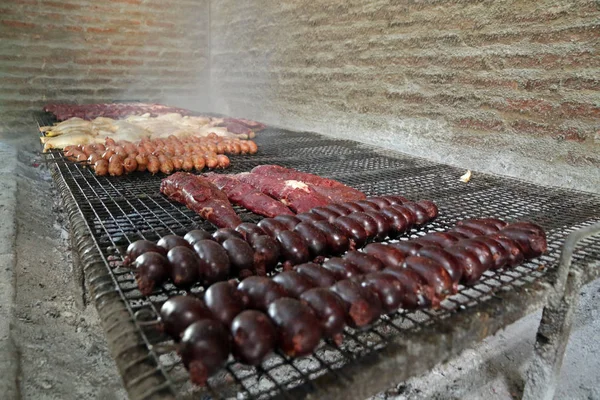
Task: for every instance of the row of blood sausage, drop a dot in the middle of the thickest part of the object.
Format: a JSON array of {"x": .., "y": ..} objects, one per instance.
[
  {"x": 255, "y": 249},
  {"x": 159, "y": 155},
  {"x": 295, "y": 309}
]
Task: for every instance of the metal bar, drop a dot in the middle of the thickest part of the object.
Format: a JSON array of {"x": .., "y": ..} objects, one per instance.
[{"x": 555, "y": 325}]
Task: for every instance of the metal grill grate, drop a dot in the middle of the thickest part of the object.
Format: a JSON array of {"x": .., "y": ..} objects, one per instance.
[{"x": 120, "y": 210}]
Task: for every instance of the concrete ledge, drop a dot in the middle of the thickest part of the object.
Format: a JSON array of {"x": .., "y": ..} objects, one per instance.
[
  {"x": 9, "y": 360},
  {"x": 8, "y": 232}
]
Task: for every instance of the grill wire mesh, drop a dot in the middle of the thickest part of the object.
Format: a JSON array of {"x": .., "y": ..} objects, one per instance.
[{"x": 123, "y": 209}]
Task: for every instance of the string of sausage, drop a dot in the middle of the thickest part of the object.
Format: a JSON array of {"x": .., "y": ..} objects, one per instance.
[
  {"x": 164, "y": 155},
  {"x": 312, "y": 240},
  {"x": 301, "y": 308}
]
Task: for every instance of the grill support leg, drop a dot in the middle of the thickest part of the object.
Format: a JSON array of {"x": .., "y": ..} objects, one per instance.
[{"x": 555, "y": 327}]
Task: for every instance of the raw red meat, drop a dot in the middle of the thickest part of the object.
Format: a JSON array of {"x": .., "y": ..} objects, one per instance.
[
  {"x": 242, "y": 126},
  {"x": 247, "y": 196},
  {"x": 335, "y": 191},
  {"x": 238, "y": 129},
  {"x": 110, "y": 110},
  {"x": 297, "y": 195},
  {"x": 201, "y": 196},
  {"x": 255, "y": 126}
]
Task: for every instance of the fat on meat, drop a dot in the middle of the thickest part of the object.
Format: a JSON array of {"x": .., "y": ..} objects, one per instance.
[
  {"x": 297, "y": 195},
  {"x": 335, "y": 191}
]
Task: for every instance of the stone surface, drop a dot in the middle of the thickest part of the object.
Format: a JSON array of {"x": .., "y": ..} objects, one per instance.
[
  {"x": 495, "y": 370},
  {"x": 49, "y": 347},
  {"x": 8, "y": 204}
]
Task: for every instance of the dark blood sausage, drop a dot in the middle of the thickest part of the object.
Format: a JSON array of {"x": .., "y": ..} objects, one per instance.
[
  {"x": 353, "y": 229},
  {"x": 483, "y": 252},
  {"x": 253, "y": 337},
  {"x": 341, "y": 209},
  {"x": 272, "y": 227},
  {"x": 179, "y": 312},
  {"x": 447, "y": 260},
  {"x": 353, "y": 207},
  {"x": 421, "y": 215},
  {"x": 531, "y": 241},
  {"x": 515, "y": 254},
  {"x": 137, "y": 248},
  {"x": 294, "y": 283},
  {"x": 170, "y": 241},
  {"x": 364, "y": 262},
  {"x": 362, "y": 304},
  {"x": 184, "y": 266},
  {"x": 225, "y": 301},
  {"x": 430, "y": 207},
  {"x": 456, "y": 235},
  {"x": 398, "y": 221},
  {"x": 381, "y": 202},
  {"x": 290, "y": 221},
  {"x": 309, "y": 217},
  {"x": 314, "y": 238},
  {"x": 151, "y": 270},
  {"x": 205, "y": 346},
  {"x": 366, "y": 206},
  {"x": 499, "y": 254},
  {"x": 393, "y": 199},
  {"x": 241, "y": 255},
  {"x": 372, "y": 204},
  {"x": 499, "y": 224},
  {"x": 337, "y": 241},
  {"x": 214, "y": 262},
  {"x": 384, "y": 225},
  {"x": 299, "y": 330},
  {"x": 250, "y": 231},
  {"x": 486, "y": 228},
  {"x": 221, "y": 235},
  {"x": 266, "y": 254},
  {"x": 319, "y": 275},
  {"x": 387, "y": 287},
  {"x": 410, "y": 216},
  {"x": 407, "y": 247},
  {"x": 468, "y": 231},
  {"x": 192, "y": 237},
  {"x": 389, "y": 256},
  {"x": 327, "y": 214},
  {"x": 528, "y": 225},
  {"x": 433, "y": 272},
  {"x": 341, "y": 268},
  {"x": 294, "y": 249},
  {"x": 329, "y": 309},
  {"x": 367, "y": 222},
  {"x": 416, "y": 293},
  {"x": 472, "y": 269},
  {"x": 438, "y": 239},
  {"x": 261, "y": 291}
]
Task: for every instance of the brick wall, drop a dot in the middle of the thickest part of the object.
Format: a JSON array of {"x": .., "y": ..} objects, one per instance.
[
  {"x": 89, "y": 51},
  {"x": 515, "y": 78},
  {"x": 471, "y": 72}
]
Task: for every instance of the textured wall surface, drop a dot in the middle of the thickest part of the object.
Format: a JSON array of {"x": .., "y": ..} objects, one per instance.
[
  {"x": 89, "y": 51},
  {"x": 488, "y": 85},
  {"x": 514, "y": 80}
]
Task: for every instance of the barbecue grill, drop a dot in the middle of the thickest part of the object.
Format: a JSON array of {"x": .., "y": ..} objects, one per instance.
[{"x": 106, "y": 214}]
